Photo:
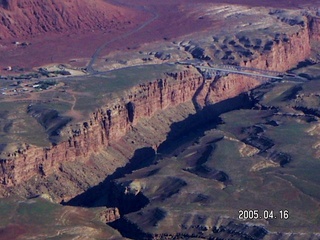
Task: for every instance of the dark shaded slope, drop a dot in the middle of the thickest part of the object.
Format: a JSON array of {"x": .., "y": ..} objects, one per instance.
[{"x": 50, "y": 119}]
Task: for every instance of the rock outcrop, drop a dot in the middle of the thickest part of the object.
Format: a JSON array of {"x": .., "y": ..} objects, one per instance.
[
  {"x": 22, "y": 18},
  {"x": 284, "y": 55},
  {"x": 110, "y": 215},
  {"x": 109, "y": 123},
  {"x": 314, "y": 27}
]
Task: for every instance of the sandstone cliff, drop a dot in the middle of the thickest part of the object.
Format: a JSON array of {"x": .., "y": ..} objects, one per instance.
[
  {"x": 314, "y": 27},
  {"x": 284, "y": 55},
  {"x": 105, "y": 125},
  {"x": 109, "y": 123},
  {"x": 22, "y": 18}
]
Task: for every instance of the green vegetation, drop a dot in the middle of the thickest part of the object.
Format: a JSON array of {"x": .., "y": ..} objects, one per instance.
[
  {"x": 38, "y": 211},
  {"x": 6, "y": 211},
  {"x": 258, "y": 181},
  {"x": 122, "y": 79},
  {"x": 310, "y": 71},
  {"x": 40, "y": 219},
  {"x": 100, "y": 88},
  {"x": 83, "y": 94},
  {"x": 45, "y": 84},
  {"x": 18, "y": 126}
]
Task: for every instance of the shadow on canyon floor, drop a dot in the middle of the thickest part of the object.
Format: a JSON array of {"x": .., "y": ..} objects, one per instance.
[
  {"x": 181, "y": 132},
  {"x": 98, "y": 195},
  {"x": 205, "y": 119}
]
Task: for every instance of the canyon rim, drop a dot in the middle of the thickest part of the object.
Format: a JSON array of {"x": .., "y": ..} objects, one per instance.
[{"x": 134, "y": 123}]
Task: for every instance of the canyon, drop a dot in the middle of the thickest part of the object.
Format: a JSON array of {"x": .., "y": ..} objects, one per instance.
[
  {"x": 109, "y": 123},
  {"x": 123, "y": 152}
]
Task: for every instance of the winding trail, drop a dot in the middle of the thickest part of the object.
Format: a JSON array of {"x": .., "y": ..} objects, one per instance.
[
  {"x": 73, "y": 102},
  {"x": 75, "y": 114},
  {"x": 98, "y": 51}
]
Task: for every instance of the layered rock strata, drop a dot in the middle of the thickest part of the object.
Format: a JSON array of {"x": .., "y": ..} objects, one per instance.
[
  {"x": 284, "y": 55},
  {"x": 110, "y": 123},
  {"x": 314, "y": 27}
]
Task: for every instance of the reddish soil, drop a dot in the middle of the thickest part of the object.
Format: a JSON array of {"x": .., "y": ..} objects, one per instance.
[
  {"x": 58, "y": 30},
  {"x": 24, "y": 18},
  {"x": 63, "y": 36},
  {"x": 12, "y": 231},
  {"x": 55, "y": 48},
  {"x": 268, "y": 3}
]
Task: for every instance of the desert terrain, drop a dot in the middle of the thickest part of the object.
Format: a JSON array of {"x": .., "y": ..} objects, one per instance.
[{"x": 159, "y": 120}]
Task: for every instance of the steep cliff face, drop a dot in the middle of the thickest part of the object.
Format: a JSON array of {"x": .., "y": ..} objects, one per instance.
[
  {"x": 314, "y": 27},
  {"x": 22, "y": 18},
  {"x": 284, "y": 55},
  {"x": 109, "y": 123},
  {"x": 106, "y": 125},
  {"x": 229, "y": 87}
]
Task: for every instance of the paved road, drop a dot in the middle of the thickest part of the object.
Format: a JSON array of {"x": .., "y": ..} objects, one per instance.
[
  {"x": 97, "y": 53},
  {"x": 230, "y": 70}
]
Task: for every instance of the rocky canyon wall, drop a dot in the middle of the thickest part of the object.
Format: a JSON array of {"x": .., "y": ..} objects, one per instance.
[
  {"x": 284, "y": 55},
  {"x": 106, "y": 124},
  {"x": 109, "y": 123},
  {"x": 314, "y": 27}
]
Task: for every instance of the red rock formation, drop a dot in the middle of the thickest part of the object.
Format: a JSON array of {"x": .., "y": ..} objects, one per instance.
[
  {"x": 34, "y": 17},
  {"x": 314, "y": 27},
  {"x": 110, "y": 215},
  {"x": 284, "y": 55},
  {"x": 106, "y": 125},
  {"x": 229, "y": 87},
  {"x": 109, "y": 123}
]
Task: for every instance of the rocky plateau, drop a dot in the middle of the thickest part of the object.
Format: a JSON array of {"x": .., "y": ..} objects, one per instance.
[{"x": 162, "y": 153}]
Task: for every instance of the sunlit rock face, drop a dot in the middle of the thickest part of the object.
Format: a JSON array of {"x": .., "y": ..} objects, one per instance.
[{"x": 22, "y": 18}]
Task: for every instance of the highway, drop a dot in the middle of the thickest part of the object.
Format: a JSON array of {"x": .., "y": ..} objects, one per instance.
[
  {"x": 214, "y": 69},
  {"x": 97, "y": 53},
  {"x": 241, "y": 72},
  {"x": 257, "y": 73}
]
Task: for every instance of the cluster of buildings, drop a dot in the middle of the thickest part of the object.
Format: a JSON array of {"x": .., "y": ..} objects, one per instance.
[{"x": 19, "y": 87}]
